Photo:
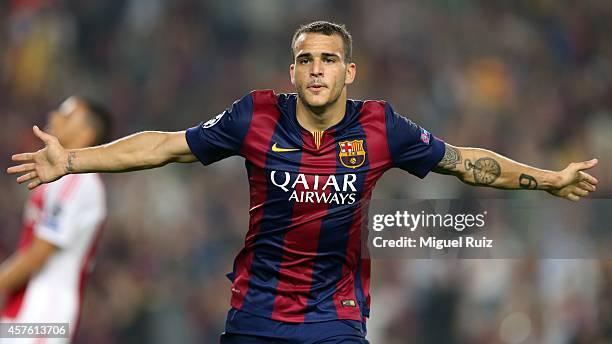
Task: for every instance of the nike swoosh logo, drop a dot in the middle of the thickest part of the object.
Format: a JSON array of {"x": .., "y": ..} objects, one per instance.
[{"x": 278, "y": 149}]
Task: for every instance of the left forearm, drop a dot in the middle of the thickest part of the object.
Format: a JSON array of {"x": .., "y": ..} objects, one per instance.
[
  {"x": 15, "y": 272},
  {"x": 482, "y": 167}
]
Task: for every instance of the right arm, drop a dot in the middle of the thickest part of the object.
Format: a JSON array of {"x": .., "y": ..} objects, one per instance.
[{"x": 139, "y": 151}]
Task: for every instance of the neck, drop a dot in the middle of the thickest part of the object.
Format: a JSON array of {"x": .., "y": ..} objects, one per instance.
[{"x": 316, "y": 119}]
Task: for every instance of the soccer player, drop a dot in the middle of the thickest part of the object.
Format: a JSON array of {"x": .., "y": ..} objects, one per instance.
[
  {"x": 312, "y": 160},
  {"x": 43, "y": 281}
]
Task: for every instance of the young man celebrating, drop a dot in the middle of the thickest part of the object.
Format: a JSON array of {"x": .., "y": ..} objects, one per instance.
[
  {"x": 312, "y": 160},
  {"x": 43, "y": 281}
]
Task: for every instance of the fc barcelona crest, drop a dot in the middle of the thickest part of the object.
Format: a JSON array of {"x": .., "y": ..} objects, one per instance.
[{"x": 352, "y": 154}]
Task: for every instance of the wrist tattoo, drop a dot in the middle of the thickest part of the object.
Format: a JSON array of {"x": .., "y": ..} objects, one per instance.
[
  {"x": 452, "y": 157},
  {"x": 486, "y": 170},
  {"x": 69, "y": 164},
  {"x": 527, "y": 182}
]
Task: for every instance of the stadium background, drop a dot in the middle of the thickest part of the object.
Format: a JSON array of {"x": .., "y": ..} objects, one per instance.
[{"x": 529, "y": 79}]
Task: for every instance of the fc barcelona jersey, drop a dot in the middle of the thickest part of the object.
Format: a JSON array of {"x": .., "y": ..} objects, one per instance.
[{"x": 302, "y": 259}]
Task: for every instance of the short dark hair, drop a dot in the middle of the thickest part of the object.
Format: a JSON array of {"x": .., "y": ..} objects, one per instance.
[
  {"x": 328, "y": 29},
  {"x": 100, "y": 119}
]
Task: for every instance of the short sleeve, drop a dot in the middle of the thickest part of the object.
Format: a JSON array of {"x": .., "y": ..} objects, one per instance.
[
  {"x": 412, "y": 148},
  {"x": 72, "y": 206},
  {"x": 221, "y": 136}
]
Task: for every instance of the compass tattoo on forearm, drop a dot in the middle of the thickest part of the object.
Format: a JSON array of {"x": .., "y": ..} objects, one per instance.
[{"x": 486, "y": 170}]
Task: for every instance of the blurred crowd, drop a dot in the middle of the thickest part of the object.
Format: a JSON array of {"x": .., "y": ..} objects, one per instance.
[{"x": 529, "y": 79}]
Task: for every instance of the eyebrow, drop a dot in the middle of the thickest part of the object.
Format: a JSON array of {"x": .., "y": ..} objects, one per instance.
[{"x": 322, "y": 55}]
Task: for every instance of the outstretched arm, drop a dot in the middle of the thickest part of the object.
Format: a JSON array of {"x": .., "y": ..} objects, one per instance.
[
  {"x": 481, "y": 167},
  {"x": 139, "y": 151}
]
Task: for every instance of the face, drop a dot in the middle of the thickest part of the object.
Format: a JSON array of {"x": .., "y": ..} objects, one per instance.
[
  {"x": 319, "y": 72},
  {"x": 68, "y": 123}
]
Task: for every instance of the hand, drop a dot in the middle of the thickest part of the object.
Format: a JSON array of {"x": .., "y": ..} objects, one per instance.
[
  {"x": 44, "y": 166},
  {"x": 574, "y": 182}
]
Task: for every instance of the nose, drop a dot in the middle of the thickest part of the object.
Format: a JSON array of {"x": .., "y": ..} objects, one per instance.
[{"x": 317, "y": 68}]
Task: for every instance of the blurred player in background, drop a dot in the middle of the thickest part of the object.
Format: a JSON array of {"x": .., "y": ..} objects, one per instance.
[
  {"x": 312, "y": 160},
  {"x": 43, "y": 281}
]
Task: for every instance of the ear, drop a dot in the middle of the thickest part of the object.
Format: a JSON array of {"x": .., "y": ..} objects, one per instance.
[
  {"x": 292, "y": 73},
  {"x": 351, "y": 72}
]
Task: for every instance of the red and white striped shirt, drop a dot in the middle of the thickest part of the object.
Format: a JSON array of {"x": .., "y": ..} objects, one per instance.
[{"x": 67, "y": 213}]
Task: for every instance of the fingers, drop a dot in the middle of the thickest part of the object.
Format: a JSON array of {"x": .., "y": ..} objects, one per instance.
[
  {"x": 575, "y": 192},
  {"x": 580, "y": 192},
  {"x": 31, "y": 174},
  {"x": 44, "y": 137},
  {"x": 587, "y": 186},
  {"x": 26, "y": 177},
  {"x": 23, "y": 157},
  {"x": 587, "y": 177},
  {"x": 585, "y": 165},
  {"x": 36, "y": 182},
  {"x": 21, "y": 168}
]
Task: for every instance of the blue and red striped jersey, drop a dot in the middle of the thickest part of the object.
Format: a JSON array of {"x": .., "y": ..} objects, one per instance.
[{"x": 302, "y": 260}]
